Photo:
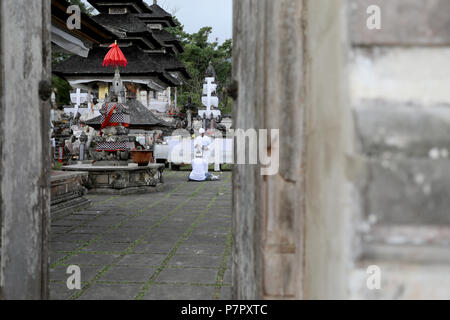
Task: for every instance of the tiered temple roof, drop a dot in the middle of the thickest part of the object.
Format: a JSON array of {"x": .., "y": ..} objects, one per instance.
[
  {"x": 111, "y": 6},
  {"x": 129, "y": 30},
  {"x": 149, "y": 49},
  {"x": 157, "y": 15},
  {"x": 140, "y": 67},
  {"x": 77, "y": 41}
]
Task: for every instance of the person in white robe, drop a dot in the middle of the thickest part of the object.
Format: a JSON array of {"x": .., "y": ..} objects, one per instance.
[{"x": 202, "y": 143}]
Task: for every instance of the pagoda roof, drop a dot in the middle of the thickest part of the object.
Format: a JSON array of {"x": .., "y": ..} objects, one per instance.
[
  {"x": 91, "y": 31},
  {"x": 128, "y": 26},
  {"x": 159, "y": 12},
  {"x": 134, "y": 6},
  {"x": 139, "y": 64},
  {"x": 158, "y": 15},
  {"x": 168, "y": 39},
  {"x": 170, "y": 63},
  {"x": 140, "y": 116}
]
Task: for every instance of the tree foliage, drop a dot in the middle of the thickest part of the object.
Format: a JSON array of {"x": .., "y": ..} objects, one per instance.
[
  {"x": 62, "y": 90},
  {"x": 61, "y": 86},
  {"x": 84, "y": 8},
  {"x": 199, "y": 51}
]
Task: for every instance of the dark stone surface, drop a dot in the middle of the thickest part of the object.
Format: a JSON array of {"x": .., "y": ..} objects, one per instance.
[
  {"x": 153, "y": 246},
  {"x": 179, "y": 292},
  {"x": 87, "y": 273},
  {"x": 201, "y": 249},
  {"x": 187, "y": 275},
  {"x": 111, "y": 292},
  {"x": 195, "y": 261},
  {"x": 92, "y": 259},
  {"x": 59, "y": 291},
  {"x": 142, "y": 260},
  {"x": 129, "y": 274},
  {"x": 121, "y": 180},
  {"x": 107, "y": 247}
]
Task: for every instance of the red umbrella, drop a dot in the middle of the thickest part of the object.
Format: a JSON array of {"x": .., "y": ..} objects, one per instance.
[{"x": 115, "y": 57}]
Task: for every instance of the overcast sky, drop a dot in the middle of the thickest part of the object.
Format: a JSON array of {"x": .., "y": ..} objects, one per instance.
[{"x": 195, "y": 14}]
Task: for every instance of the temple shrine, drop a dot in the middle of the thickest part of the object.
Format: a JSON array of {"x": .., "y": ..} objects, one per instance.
[
  {"x": 111, "y": 170},
  {"x": 153, "y": 68}
]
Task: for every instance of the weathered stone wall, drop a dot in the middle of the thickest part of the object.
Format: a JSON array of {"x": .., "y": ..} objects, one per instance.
[
  {"x": 399, "y": 78},
  {"x": 268, "y": 210},
  {"x": 364, "y": 171},
  {"x": 25, "y": 152},
  {"x": 329, "y": 131}
]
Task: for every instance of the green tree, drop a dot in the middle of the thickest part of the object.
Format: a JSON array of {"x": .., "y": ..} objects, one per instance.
[
  {"x": 83, "y": 6},
  {"x": 62, "y": 88},
  {"x": 198, "y": 52}
]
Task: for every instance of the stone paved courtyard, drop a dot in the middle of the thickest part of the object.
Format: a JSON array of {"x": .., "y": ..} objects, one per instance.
[{"x": 175, "y": 244}]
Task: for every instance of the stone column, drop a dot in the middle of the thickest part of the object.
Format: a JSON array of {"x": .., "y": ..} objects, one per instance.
[
  {"x": 25, "y": 148},
  {"x": 268, "y": 210}
]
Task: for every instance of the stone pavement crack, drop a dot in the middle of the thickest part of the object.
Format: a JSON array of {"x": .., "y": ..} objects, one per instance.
[
  {"x": 112, "y": 228},
  {"x": 129, "y": 250},
  {"x": 145, "y": 289},
  {"x": 223, "y": 267}
]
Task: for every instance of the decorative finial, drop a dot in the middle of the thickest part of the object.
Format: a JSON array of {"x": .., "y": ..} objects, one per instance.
[
  {"x": 210, "y": 72},
  {"x": 155, "y": 2}
]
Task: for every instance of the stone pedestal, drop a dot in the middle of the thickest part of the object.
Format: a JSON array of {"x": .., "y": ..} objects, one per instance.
[
  {"x": 122, "y": 180},
  {"x": 67, "y": 191},
  {"x": 110, "y": 164}
]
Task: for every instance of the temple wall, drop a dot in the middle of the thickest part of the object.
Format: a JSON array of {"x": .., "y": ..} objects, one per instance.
[
  {"x": 364, "y": 119},
  {"x": 328, "y": 142},
  {"x": 399, "y": 79}
]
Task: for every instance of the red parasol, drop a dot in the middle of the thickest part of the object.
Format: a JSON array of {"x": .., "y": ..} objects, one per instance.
[{"x": 115, "y": 57}]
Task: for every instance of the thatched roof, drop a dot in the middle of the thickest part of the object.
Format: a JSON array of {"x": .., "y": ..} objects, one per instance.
[
  {"x": 149, "y": 13},
  {"x": 135, "y": 6},
  {"x": 138, "y": 42},
  {"x": 158, "y": 15},
  {"x": 128, "y": 26},
  {"x": 168, "y": 39},
  {"x": 159, "y": 12},
  {"x": 124, "y": 22},
  {"x": 170, "y": 63},
  {"x": 139, "y": 64}
]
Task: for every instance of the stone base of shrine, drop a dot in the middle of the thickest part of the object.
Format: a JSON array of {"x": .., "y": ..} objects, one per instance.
[
  {"x": 115, "y": 180},
  {"x": 68, "y": 191}
]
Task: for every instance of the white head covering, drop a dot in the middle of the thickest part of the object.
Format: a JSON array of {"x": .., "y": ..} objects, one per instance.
[{"x": 201, "y": 131}]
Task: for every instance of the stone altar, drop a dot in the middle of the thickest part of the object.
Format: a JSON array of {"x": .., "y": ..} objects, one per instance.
[
  {"x": 119, "y": 180},
  {"x": 110, "y": 171}
]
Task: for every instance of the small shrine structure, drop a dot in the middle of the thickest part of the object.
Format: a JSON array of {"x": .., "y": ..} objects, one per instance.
[
  {"x": 210, "y": 116},
  {"x": 111, "y": 170}
]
